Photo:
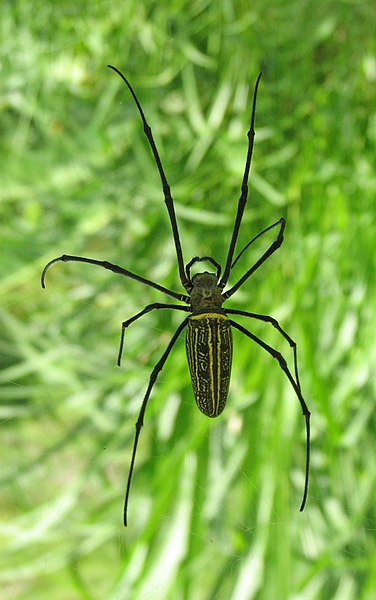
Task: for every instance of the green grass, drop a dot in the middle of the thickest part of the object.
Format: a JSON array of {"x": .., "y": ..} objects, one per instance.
[{"x": 214, "y": 507}]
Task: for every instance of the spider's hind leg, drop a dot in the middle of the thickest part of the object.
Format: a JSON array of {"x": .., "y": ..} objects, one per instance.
[{"x": 296, "y": 386}]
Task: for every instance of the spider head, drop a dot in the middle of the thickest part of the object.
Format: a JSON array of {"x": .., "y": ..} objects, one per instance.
[{"x": 205, "y": 294}]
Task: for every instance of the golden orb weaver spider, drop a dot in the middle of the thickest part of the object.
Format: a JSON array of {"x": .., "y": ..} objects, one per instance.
[{"x": 209, "y": 337}]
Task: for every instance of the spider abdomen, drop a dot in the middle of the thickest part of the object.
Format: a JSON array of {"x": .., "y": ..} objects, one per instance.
[{"x": 209, "y": 354}]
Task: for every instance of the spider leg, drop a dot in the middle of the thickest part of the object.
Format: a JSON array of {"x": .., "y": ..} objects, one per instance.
[
  {"x": 140, "y": 421},
  {"x": 272, "y": 248},
  {"x": 244, "y": 191},
  {"x": 166, "y": 188},
  {"x": 116, "y": 269},
  {"x": 306, "y": 413},
  {"x": 148, "y": 308},
  {"x": 254, "y": 239},
  {"x": 274, "y": 322}
]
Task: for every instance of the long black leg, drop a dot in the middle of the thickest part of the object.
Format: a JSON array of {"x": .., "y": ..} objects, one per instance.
[
  {"x": 274, "y": 322},
  {"x": 166, "y": 188},
  {"x": 282, "y": 363},
  {"x": 140, "y": 421},
  {"x": 244, "y": 191},
  {"x": 254, "y": 239},
  {"x": 148, "y": 308},
  {"x": 116, "y": 269},
  {"x": 272, "y": 248}
]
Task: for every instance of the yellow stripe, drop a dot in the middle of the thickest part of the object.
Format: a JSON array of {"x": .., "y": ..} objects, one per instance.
[
  {"x": 196, "y": 359},
  {"x": 210, "y": 345},
  {"x": 218, "y": 368},
  {"x": 209, "y": 316}
]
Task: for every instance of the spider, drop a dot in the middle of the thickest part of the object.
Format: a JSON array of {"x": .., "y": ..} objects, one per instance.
[{"x": 208, "y": 325}]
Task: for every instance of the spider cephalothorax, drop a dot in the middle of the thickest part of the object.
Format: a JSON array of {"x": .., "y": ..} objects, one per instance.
[{"x": 205, "y": 294}]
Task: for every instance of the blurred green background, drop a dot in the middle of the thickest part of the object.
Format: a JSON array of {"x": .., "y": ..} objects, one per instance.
[{"x": 214, "y": 506}]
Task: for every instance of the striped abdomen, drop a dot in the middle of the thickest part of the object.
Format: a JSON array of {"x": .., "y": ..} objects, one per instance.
[{"x": 209, "y": 353}]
